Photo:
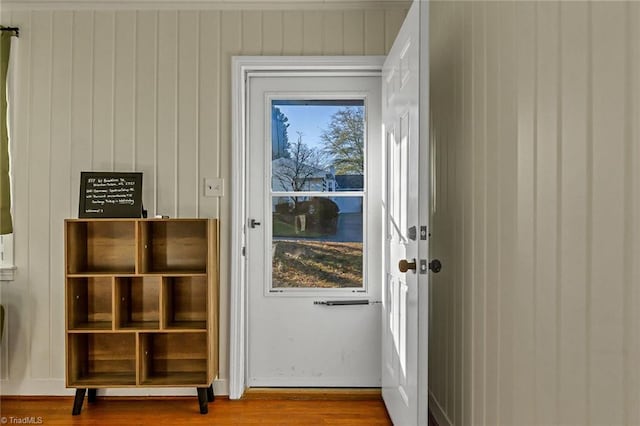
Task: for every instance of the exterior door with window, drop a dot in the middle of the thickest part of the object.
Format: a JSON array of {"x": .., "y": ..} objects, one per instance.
[{"x": 314, "y": 193}]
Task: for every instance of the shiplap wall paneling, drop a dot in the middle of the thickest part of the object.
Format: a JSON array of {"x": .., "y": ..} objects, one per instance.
[
  {"x": 145, "y": 70},
  {"x": 539, "y": 112},
  {"x": 167, "y": 139},
  {"x": 312, "y": 33},
  {"x": 525, "y": 291},
  {"x": 252, "y": 31},
  {"x": 293, "y": 24},
  {"x": 103, "y": 138},
  {"x": 546, "y": 199},
  {"x": 60, "y": 160},
  {"x": 134, "y": 90},
  {"x": 209, "y": 108},
  {"x": 333, "y": 33},
  {"x": 492, "y": 196},
  {"x": 575, "y": 101},
  {"x": 442, "y": 142},
  {"x": 81, "y": 102},
  {"x": 124, "y": 91},
  {"x": 607, "y": 260},
  {"x": 507, "y": 212},
  {"x": 354, "y": 32},
  {"x": 187, "y": 156},
  {"x": 273, "y": 31},
  {"x": 478, "y": 197},
  {"x": 374, "y": 37},
  {"x": 457, "y": 247},
  {"x": 632, "y": 244},
  {"x": 39, "y": 202},
  {"x": 464, "y": 262}
]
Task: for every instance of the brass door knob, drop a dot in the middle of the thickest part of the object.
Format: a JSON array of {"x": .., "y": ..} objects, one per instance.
[{"x": 404, "y": 265}]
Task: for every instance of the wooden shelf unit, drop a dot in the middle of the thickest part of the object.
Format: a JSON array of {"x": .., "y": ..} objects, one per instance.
[{"x": 141, "y": 304}]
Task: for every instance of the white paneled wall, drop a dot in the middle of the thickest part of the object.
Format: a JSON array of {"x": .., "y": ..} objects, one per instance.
[
  {"x": 141, "y": 90},
  {"x": 536, "y": 129}
]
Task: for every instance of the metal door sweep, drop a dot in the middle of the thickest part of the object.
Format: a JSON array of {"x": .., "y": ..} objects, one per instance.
[{"x": 345, "y": 302}]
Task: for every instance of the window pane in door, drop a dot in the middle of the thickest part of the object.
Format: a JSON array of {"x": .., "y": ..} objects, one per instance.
[
  {"x": 317, "y": 147},
  {"x": 317, "y": 242},
  {"x": 316, "y": 144}
]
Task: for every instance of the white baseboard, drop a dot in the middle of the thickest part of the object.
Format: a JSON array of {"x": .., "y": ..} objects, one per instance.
[
  {"x": 56, "y": 387},
  {"x": 221, "y": 387},
  {"x": 438, "y": 412}
]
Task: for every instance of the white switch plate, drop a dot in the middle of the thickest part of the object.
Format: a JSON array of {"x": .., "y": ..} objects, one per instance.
[{"x": 213, "y": 187}]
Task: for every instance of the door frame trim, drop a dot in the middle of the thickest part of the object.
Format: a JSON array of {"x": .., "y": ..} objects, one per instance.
[{"x": 241, "y": 66}]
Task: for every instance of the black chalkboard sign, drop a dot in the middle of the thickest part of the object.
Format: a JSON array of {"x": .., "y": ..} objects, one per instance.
[{"x": 110, "y": 194}]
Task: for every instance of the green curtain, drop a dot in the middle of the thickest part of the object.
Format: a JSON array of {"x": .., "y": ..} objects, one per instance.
[{"x": 6, "y": 224}]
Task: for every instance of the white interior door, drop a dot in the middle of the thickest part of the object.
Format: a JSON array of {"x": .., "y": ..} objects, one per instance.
[
  {"x": 312, "y": 235},
  {"x": 405, "y": 296}
]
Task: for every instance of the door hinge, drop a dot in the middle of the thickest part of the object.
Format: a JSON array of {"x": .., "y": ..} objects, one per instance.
[{"x": 244, "y": 251}]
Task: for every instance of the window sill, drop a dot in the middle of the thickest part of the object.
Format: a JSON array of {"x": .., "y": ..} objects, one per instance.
[{"x": 6, "y": 273}]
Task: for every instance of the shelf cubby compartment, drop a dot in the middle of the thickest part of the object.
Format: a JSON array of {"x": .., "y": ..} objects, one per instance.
[
  {"x": 185, "y": 302},
  {"x": 89, "y": 301},
  {"x": 173, "y": 246},
  {"x": 173, "y": 359},
  {"x": 101, "y": 359},
  {"x": 100, "y": 246},
  {"x": 137, "y": 303}
]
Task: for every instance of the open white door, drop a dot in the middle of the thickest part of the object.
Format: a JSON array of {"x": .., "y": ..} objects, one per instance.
[{"x": 405, "y": 295}]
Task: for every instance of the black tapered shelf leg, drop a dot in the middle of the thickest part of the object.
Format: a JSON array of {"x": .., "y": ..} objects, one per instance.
[
  {"x": 78, "y": 400},
  {"x": 202, "y": 400},
  {"x": 210, "y": 396},
  {"x": 91, "y": 397}
]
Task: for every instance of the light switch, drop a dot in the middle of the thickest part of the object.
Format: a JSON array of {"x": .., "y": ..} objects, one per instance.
[{"x": 213, "y": 187}]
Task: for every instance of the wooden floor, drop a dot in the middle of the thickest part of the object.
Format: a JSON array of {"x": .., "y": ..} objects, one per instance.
[{"x": 184, "y": 410}]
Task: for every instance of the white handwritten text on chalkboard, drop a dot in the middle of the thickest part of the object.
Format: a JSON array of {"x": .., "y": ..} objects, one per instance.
[
  {"x": 110, "y": 194},
  {"x": 110, "y": 191}
]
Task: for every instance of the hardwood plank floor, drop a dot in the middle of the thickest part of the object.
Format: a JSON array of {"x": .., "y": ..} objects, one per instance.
[
  {"x": 184, "y": 410},
  {"x": 323, "y": 394}
]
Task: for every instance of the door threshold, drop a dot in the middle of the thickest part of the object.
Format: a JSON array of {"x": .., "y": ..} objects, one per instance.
[{"x": 319, "y": 394}]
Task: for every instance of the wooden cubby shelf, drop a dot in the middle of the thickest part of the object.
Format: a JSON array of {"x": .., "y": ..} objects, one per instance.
[
  {"x": 170, "y": 246},
  {"x": 137, "y": 303},
  {"x": 101, "y": 359},
  {"x": 100, "y": 246},
  {"x": 141, "y": 305},
  {"x": 172, "y": 359},
  {"x": 89, "y": 303},
  {"x": 185, "y": 303}
]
